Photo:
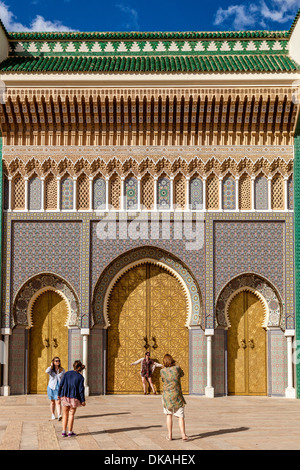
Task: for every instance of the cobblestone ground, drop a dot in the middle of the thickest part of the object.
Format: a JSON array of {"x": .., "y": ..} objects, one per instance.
[{"x": 137, "y": 423}]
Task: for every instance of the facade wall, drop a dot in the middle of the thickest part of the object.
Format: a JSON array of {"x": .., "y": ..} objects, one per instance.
[{"x": 68, "y": 245}]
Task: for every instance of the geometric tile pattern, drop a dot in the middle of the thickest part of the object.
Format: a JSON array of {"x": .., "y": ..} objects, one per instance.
[
  {"x": 163, "y": 193},
  {"x": 5, "y": 193},
  {"x": 40, "y": 247},
  {"x": 245, "y": 247},
  {"x": 196, "y": 194},
  {"x": 67, "y": 194},
  {"x": 261, "y": 193},
  {"x": 218, "y": 358},
  {"x": 34, "y": 196},
  {"x": 228, "y": 193},
  {"x": 198, "y": 355},
  {"x": 258, "y": 284},
  {"x": 277, "y": 370},
  {"x": 131, "y": 193},
  {"x": 31, "y": 287},
  {"x": 99, "y": 194},
  {"x": 290, "y": 193}
]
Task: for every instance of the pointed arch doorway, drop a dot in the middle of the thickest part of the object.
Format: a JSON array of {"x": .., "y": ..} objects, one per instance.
[
  {"x": 246, "y": 346},
  {"x": 48, "y": 337},
  {"x": 147, "y": 311}
]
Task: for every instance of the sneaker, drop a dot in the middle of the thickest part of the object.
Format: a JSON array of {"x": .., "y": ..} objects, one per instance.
[
  {"x": 64, "y": 434},
  {"x": 60, "y": 418},
  {"x": 71, "y": 434},
  {"x": 53, "y": 417}
]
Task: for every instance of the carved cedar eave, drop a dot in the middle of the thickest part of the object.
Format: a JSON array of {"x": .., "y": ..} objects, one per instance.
[{"x": 204, "y": 116}]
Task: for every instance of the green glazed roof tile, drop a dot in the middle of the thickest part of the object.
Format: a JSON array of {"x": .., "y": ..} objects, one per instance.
[{"x": 162, "y": 64}]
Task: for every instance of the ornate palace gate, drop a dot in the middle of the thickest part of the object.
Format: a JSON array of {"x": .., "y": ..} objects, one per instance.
[
  {"x": 48, "y": 338},
  {"x": 147, "y": 311},
  {"x": 247, "y": 354}
]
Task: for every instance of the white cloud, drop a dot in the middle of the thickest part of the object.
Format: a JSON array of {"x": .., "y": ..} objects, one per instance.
[
  {"x": 132, "y": 20},
  {"x": 38, "y": 24},
  {"x": 251, "y": 15},
  {"x": 238, "y": 14}
]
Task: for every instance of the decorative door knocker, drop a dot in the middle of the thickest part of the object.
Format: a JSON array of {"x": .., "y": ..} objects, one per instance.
[{"x": 146, "y": 345}]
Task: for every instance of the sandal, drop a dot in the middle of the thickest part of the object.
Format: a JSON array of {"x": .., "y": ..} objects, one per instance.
[
  {"x": 168, "y": 439},
  {"x": 186, "y": 438}
]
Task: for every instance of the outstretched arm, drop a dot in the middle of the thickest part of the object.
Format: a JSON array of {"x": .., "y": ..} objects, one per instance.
[{"x": 136, "y": 362}]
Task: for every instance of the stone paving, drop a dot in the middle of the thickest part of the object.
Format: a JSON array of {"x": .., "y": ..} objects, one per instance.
[{"x": 137, "y": 423}]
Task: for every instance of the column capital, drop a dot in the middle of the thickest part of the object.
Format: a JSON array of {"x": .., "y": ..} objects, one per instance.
[
  {"x": 289, "y": 333},
  {"x": 209, "y": 332},
  {"x": 85, "y": 331},
  {"x": 6, "y": 331}
]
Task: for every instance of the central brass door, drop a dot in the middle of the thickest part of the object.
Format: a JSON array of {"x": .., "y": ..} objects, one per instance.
[
  {"x": 246, "y": 344},
  {"x": 48, "y": 338},
  {"x": 147, "y": 311}
]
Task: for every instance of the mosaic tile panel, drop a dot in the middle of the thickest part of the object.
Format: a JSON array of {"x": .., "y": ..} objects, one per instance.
[
  {"x": 297, "y": 240},
  {"x": 5, "y": 193},
  {"x": 249, "y": 247},
  {"x": 34, "y": 194},
  {"x": 95, "y": 358},
  {"x": 163, "y": 193},
  {"x": 196, "y": 194},
  {"x": 198, "y": 357},
  {"x": 218, "y": 359},
  {"x": 75, "y": 347},
  {"x": 261, "y": 193},
  {"x": 56, "y": 250},
  {"x": 277, "y": 367},
  {"x": 290, "y": 191},
  {"x": 67, "y": 194},
  {"x": 228, "y": 193},
  {"x": 131, "y": 193},
  {"x": 17, "y": 351},
  {"x": 99, "y": 194}
]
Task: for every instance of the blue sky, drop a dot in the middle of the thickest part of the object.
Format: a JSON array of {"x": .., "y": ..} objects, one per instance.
[{"x": 147, "y": 15}]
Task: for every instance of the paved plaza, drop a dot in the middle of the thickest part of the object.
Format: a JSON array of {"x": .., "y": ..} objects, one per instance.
[{"x": 137, "y": 423}]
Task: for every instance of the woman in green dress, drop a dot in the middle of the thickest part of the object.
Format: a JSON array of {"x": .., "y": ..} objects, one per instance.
[{"x": 173, "y": 400}]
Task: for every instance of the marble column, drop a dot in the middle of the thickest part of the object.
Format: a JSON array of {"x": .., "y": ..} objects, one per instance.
[
  {"x": 209, "y": 390},
  {"x": 5, "y": 389},
  {"x": 85, "y": 343},
  {"x": 290, "y": 391}
]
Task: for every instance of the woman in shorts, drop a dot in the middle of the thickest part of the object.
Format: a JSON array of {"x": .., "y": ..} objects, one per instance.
[
  {"x": 71, "y": 396},
  {"x": 56, "y": 373},
  {"x": 172, "y": 398}
]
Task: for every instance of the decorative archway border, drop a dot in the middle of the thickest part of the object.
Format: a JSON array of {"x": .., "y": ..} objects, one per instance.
[
  {"x": 37, "y": 295},
  {"x": 36, "y": 286},
  {"x": 257, "y": 294},
  {"x": 133, "y": 258},
  {"x": 262, "y": 288}
]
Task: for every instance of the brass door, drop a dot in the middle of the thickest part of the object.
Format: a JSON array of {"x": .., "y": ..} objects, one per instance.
[
  {"x": 147, "y": 311},
  {"x": 246, "y": 344},
  {"x": 48, "y": 338},
  {"x": 167, "y": 317}
]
